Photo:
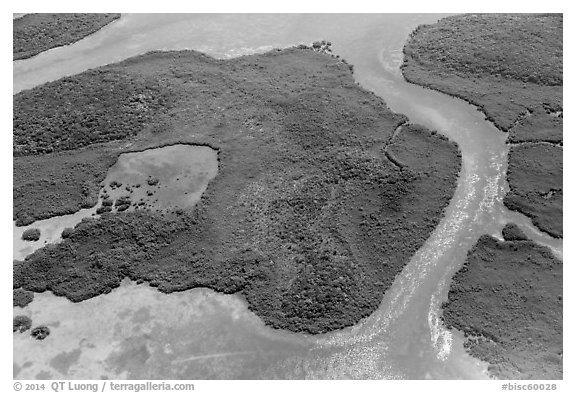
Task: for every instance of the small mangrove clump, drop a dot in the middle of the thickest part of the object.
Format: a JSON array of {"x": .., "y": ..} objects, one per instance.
[
  {"x": 511, "y": 232},
  {"x": 325, "y": 48},
  {"x": 31, "y": 235},
  {"x": 122, "y": 203},
  {"x": 103, "y": 209},
  {"x": 67, "y": 232},
  {"x": 40, "y": 332},
  {"x": 21, "y": 323},
  {"x": 322, "y": 46},
  {"x": 152, "y": 181}
]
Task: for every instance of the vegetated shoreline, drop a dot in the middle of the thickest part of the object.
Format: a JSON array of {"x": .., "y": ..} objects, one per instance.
[
  {"x": 484, "y": 293},
  {"x": 307, "y": 218},
  {"x": 36, "y": 33},
  {"x": 515, "y": 286},
  {"x": 94, "y": 201},
  {"x": 515, "y": 103}
]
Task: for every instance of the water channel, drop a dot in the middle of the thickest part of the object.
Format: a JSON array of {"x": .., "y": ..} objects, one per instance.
[{"x": 137, "y": 332}]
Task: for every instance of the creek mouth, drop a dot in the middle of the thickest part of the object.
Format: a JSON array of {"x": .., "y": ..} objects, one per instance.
[{"x": 402, "y": 339}]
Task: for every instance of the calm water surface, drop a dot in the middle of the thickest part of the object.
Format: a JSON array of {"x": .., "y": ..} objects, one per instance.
[
  {"x": 183, "y": 173},
  {"x": 137, "y": 332}
]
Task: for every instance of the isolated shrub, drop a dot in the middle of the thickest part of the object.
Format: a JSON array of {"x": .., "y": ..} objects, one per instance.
[
  {"x": 32, "y": 234},
  {"x": 40, "y": 332},
  {"x": 21, "y": 323}
]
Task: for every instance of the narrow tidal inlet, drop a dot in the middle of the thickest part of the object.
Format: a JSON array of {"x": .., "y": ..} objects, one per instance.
[{"x": 137, "y": 332}]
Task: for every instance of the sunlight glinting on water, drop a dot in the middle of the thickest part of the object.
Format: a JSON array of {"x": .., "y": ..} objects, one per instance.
[
  {"x": 493, "y": 191},
  {"x": 407, "y": 326},
  {"x": 398, "y": 297}
]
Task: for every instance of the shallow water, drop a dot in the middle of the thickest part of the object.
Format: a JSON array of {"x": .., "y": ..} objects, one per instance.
[
  {"x": 50, "y": 231},
  {"x": 201, "y": 334},
  {"x": 183, "y": 173}
]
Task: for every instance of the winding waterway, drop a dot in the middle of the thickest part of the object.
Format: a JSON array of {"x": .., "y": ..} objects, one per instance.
[{"x": 137, "y": 332}]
